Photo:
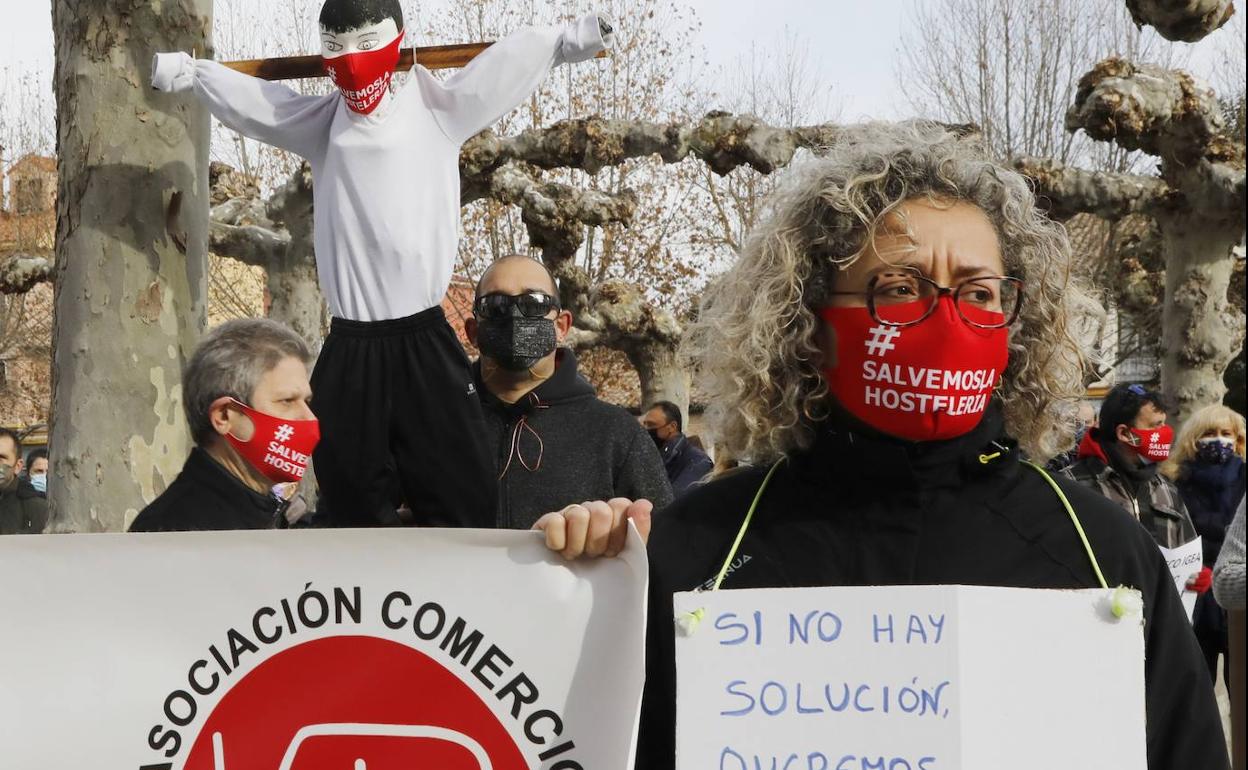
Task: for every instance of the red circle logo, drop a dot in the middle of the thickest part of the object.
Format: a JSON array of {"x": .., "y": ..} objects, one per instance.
[{"x": 353, "y": 703}]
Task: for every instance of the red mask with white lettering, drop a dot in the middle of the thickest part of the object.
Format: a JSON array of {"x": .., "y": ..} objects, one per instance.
[
  {"x": 279, "y": 449},
  {"x": 926, "y": 382},
  {"x": 364, "y": 77},
  {"x": 1154, "y": 444}
]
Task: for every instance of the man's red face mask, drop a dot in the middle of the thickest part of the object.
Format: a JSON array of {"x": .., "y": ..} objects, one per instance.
[{"x": 363, "y": 76}]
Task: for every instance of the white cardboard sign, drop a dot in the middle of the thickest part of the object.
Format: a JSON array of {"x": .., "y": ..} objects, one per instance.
[
  {"x": 909, "y": 678},
  {"x": 1184, "y": 562},
  {"x": 317, "y": 650}
]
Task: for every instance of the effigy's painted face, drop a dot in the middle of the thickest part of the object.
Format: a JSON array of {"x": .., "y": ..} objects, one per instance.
[{"x": 361, "y": 62}]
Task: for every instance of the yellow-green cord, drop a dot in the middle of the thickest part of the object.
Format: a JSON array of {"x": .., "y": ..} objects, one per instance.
[
  {"x": 1074, "y": 518},
  {"x": 723, "y": 571}
]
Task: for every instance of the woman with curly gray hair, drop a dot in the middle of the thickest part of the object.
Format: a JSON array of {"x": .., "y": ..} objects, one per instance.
[{"x": 889, "y": 350}]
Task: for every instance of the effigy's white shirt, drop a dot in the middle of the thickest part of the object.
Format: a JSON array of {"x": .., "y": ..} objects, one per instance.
[{"x": 386, "y": 185}]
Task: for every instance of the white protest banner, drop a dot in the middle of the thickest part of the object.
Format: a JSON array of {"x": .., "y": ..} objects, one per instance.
[
  {"x": 909, "y": 678},
  {"x": 318, "y": 650},
  {"x": 1184, "y": 562}
]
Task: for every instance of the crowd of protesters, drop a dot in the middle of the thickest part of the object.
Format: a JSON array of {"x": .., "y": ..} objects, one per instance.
[{"x": 902, "y": 248}]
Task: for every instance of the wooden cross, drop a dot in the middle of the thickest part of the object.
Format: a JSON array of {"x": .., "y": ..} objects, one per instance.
[{"x": 434, "y": 57}]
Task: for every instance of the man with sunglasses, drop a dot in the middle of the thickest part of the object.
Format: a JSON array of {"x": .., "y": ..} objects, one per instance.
[{"x": 555, "y": 442}]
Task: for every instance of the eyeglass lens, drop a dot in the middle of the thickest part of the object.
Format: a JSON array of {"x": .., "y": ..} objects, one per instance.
[{"x": 905, "y": 297}]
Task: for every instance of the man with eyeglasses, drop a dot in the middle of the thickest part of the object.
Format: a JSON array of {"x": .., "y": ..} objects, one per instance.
[{"x": 556, "y": 444}]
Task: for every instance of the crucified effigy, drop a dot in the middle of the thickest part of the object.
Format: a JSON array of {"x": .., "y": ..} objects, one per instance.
[{"x": 392, "y": 388}]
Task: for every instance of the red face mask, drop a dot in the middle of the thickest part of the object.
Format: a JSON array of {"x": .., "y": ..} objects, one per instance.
[
  {"x": 1154, "y": 444},
  {"x": 926, "y": 382},
  {"x": 279, "y": 449},
  {"x": 364, "y": 76}
]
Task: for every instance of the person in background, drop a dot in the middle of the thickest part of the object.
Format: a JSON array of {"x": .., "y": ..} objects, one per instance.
[
  {"x": 246, "y": 396},
  {"x": 1228, "y": 573},
  {"x": 37, "y": 470},
  {"x": 685, "y": 462},
  {"x": 1085, "y": 420},
  {"x": 554, "y": 442},
  {"x": 1121, "y": 457},
  {"x": 22, "y": 510},
  {"x": 1207, "y": 465}
]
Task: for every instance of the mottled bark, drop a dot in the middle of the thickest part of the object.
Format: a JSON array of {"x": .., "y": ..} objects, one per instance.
[
  {"x": 292, "y": 282},
  {"x": 1065, "y": 191},
  {"x": 1200, "y": 215},
  {"x": 20, "y": 272},
  {"x": 1201, "y": 331},
  {"x": 1185, "y": 20},
  {"x": 722, "y": 140},
  {"x": 131, "y": 246},
  {"x": 616, "y": 314}
]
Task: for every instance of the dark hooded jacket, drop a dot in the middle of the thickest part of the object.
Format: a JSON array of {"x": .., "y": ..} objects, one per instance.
[
  {"x": 860, "y": 510},
  {"x": 1143, "y": 492},
  {"x": 23, "y": 511},
  {"x": 206, "y": 496},
  {"x": 560, "y": 445},
  {"x": 686, "y": 464},
  {"x": 1211, "y": 494}
]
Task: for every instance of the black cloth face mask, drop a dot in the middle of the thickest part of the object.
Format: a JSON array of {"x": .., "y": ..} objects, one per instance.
[{"x": 516, "y": 343}]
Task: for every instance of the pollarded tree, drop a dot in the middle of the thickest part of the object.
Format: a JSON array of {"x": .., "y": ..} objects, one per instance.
[{"x": 130, "y": 256}]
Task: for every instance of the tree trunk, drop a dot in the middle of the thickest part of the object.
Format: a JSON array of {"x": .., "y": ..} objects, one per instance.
[
  {"x": 1201, "y": 331},
  {"x": 662, "y": 378},
  {"x": 131, "y": 247},
  {"x": 293, "y": 285}
]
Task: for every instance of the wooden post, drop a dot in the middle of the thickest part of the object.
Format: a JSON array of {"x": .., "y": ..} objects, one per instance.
[{"x": 434, "y": 57}]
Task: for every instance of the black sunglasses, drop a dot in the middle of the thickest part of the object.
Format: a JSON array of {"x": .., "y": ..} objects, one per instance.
[{"x": 531, "y": 304}]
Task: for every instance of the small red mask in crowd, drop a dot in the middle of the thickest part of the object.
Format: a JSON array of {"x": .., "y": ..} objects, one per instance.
[
  {"x": 279, "y": 449},
  {"x": 1154, "y": 444},
  {"x": 364, "y": 77},
  {"x": 926, "y": 382}
]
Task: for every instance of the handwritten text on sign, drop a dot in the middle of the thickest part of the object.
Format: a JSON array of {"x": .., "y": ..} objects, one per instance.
[{"x": 905, "y": 678}]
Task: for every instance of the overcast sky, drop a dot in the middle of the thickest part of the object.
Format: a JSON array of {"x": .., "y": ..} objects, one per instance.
[
  {"x": 852, "y": 43},
  {"x": 848, "y": 37}
]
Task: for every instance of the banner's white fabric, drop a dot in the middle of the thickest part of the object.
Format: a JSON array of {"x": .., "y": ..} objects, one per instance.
[
  {"x": 909, "y": 678},
  {"x": 318, "y": 650}
]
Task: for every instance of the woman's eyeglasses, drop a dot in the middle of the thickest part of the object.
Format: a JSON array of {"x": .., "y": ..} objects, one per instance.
[
  {"x": 531, "y": 304},
  {"x": 905, "y": 298}
]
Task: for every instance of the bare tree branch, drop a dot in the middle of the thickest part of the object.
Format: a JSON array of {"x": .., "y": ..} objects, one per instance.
[
  {"x": 251, "y": 244},
  {"x": 722, "y": 140},
  {"x": 1181, "y": 20},
  {"x": 1163, "y": 112},
  {"x": 1067, "y": 191},
  {"x": 20, "y": 273}
]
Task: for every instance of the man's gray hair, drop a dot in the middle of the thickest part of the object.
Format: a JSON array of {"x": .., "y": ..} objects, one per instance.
[{"x": 230, "y": 361}]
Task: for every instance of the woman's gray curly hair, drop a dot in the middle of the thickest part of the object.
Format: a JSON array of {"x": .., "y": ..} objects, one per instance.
[{"x": 753, "y": 343}]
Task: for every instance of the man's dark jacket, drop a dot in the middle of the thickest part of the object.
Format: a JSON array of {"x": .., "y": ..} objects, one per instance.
[
  {"x": 207, "y": 496},
  {"x": 685, "y": 463},
  {"x": 1151, "y": 498},
  {"x": 560, "y": 445},
  {"x": 23, "y": 511},
  {"x": 856, "y": 510}
]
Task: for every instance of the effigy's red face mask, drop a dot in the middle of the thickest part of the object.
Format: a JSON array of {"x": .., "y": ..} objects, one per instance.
[
  {"x": 926, "y": 382},
  {"x": 363, "y": 76}
]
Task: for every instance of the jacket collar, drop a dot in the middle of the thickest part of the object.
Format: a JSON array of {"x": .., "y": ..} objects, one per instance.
[
  {"x": 565, "y": 384},
  {"x": 858, "y": 454},
  {"x": 204, "y": 471}
]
